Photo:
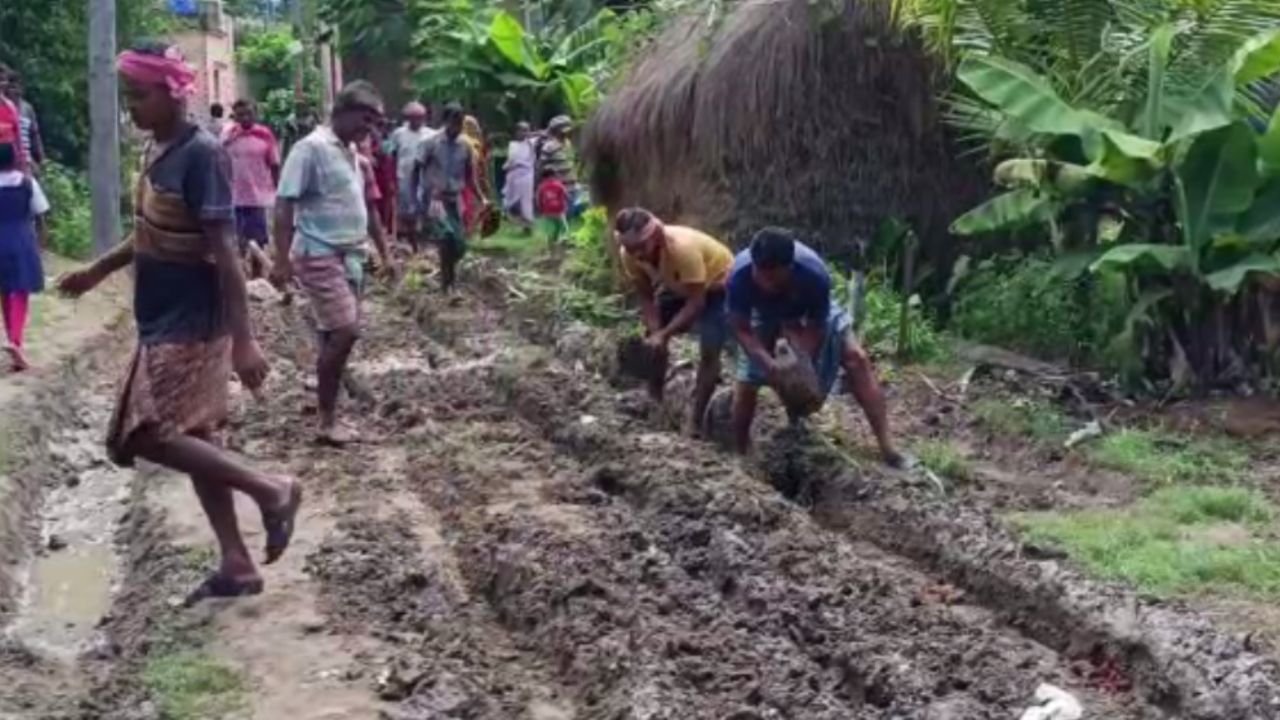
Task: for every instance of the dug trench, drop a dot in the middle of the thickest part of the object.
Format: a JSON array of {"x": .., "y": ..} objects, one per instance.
[
  {"x": 521, "y": 538},
  {"x": 941, "y": 555}
]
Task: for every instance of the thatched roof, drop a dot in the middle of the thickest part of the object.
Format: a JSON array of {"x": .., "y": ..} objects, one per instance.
[{"x": 819, "y": 115}]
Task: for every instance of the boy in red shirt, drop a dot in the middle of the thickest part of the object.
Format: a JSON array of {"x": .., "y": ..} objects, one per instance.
[{"x": 553, "y": 207}]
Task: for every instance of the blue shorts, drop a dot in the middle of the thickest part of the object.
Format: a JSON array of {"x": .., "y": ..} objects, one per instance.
[
  {"x": 251, "y": 224},
  {"x": 712, "y": 325},
  {"x": 827, "y": 363}
]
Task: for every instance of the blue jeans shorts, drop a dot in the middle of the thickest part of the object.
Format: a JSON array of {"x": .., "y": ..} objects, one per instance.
[{"x": 827, "y": 363}]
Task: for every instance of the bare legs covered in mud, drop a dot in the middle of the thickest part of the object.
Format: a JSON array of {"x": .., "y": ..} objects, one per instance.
[
  {"x": 215, "y": 474},
  {"x": 860, "y": 381},
  {"x": 331, "y": 363},
  {"x": 704, "y": 384}
]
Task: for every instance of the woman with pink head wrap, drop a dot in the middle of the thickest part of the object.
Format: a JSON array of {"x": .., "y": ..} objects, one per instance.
[{"x": 191, "y": 312}]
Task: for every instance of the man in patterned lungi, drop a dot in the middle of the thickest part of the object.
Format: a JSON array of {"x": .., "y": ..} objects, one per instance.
[
  {"x": 193, "y": 320},
  {"x": 322, "y": 224}
]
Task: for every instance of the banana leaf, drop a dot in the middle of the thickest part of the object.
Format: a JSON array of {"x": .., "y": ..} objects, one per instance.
[
  {"x": 507, "y": 36},
  {"x": 1161, "y": 46},
  {"x": 1257, "y": 59},
  {"x": 1021, "y": 94},
  {"x": 1262, "y": 221},
  {"x": 1216, "y": 182},
  {"x": 1269, "y": 147},
  {"x": 1122, "y": 257},
  {"x": 1009, "y": 211},
  {"x": 1229, "y": 279}
]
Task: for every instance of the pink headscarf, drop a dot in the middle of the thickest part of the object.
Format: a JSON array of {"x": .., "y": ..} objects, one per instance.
[
  {"x": 169, "y": 70},
  {"x": 652, "y": 227}
]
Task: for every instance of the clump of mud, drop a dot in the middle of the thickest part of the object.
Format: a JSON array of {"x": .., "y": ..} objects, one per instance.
[
  {"x": 368, "y": 566},
  {"x": 796, "y": 382}
]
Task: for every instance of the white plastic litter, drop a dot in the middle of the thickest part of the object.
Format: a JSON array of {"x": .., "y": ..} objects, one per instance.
[
  {"x": 1084, "y": 434},
  {"x": 1054, "y": 703}
]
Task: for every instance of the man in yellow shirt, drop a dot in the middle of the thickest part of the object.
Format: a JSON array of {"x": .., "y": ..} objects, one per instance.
[{"x": 679, "y": 274}]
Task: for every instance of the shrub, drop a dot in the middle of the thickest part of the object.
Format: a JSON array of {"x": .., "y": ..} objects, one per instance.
[
  {"x": 589, "y": 262},
  {"x": 1026, "y": 304},
  {"x": 70, "y": 220},
  {"x": 879, "y": 321}
]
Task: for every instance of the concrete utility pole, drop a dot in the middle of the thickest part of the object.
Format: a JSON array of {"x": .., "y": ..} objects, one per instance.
[
  {"x": 296, "y": 8},
  {"x": 104, "y": 120}
]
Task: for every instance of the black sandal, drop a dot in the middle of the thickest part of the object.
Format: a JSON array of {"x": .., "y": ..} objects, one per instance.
[
  {"x": 218, "y": 585},
  {"x": 279, "y": 524}
]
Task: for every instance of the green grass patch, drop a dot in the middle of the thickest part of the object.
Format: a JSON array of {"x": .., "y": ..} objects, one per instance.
[
  {"x": 510, "y": 241},
  {"x": 1163, "y": 458},
  {"x": 1035, "y": 419},
  {"x": 944, "y": 459},
  {"x": 1180, "y": 539},
  {"x": 189, "y": 685}
]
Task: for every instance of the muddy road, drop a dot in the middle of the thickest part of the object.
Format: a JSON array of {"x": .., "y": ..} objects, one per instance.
[{"x": 520, "y": 536}]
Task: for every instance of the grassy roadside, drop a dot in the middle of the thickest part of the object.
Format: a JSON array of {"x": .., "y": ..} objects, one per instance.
[{"x": 1184, "y": 539}]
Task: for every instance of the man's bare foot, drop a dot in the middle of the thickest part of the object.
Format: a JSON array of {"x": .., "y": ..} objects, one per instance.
[{"x": 337, "y": 435}]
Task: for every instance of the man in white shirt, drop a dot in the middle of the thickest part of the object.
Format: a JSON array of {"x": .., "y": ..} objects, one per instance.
[{"x": 404, "y": 145}]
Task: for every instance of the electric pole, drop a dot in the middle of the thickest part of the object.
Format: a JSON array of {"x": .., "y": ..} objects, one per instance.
[
  {"x": 299, "y": 35},
  {"x": 104, "y": 120}
]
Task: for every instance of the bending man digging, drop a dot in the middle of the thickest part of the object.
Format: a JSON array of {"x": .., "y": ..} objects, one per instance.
[
  {"x": 679, "y": 274},
  {"x": 779, "y": 287}
]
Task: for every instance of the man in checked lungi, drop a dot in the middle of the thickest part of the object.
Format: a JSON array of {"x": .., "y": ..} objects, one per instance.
[{"x": 322, "y": 224}]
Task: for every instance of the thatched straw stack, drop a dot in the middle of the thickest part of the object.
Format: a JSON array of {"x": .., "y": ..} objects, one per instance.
[{"x": 816, "y": 114}]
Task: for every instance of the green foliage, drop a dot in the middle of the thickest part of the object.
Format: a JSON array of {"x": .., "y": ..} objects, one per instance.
[
  {"x": 46, "y": 43},
  {"x": 1163, "y": 458},
  {"x": 589, "y": 262},
  {"x": 1022, "y": 417},
  {"x": 1026, "y": 304},
  {"x": 188, "y": 685},
  {"x": 510, "y": 241},
  {"x": 486, "y": 57},
  {"x": 270, "y": 57},
  {"x": 70, "y": 221},
  {"x": 1133, "y": 144},
  {"x": 944, "y": 459},
  {"x": 505, "y": 62},
  {"x": 1178, "y": 540}
]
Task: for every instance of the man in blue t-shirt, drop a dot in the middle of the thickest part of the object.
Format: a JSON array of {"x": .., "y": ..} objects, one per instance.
[{"x": 779, "y": 287}]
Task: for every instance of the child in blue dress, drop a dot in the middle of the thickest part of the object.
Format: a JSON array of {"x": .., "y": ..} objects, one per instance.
[{"x": 22, "y": 207}]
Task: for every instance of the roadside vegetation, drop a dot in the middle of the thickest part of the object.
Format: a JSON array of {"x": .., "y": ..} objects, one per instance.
[{"x": 1181, "y": 539}]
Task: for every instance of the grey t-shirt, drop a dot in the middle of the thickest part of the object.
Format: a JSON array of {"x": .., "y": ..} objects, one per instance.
[
  {"x": 182, "y": 301},
  {"x": 445, "y": 164},
  {"x": 198, "y": 170}
]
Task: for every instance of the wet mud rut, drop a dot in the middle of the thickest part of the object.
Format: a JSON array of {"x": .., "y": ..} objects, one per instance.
[{"x": 520, "y": 539}]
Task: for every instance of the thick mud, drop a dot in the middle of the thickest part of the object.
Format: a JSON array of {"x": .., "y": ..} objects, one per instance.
[
  {"x": 520, "y": 537},
  {"x": 610, "y": 569}
]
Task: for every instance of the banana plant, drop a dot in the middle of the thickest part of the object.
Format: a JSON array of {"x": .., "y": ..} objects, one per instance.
[
  {"x": 488, "y": 58},
  {"x": 1188, "y": 190}
]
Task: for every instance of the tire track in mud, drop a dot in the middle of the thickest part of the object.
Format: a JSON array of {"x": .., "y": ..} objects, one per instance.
[{"x": 653, "y": 577}]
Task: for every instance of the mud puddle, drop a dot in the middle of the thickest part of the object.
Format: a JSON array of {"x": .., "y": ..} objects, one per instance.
[{"x": 70, "y": 582}]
